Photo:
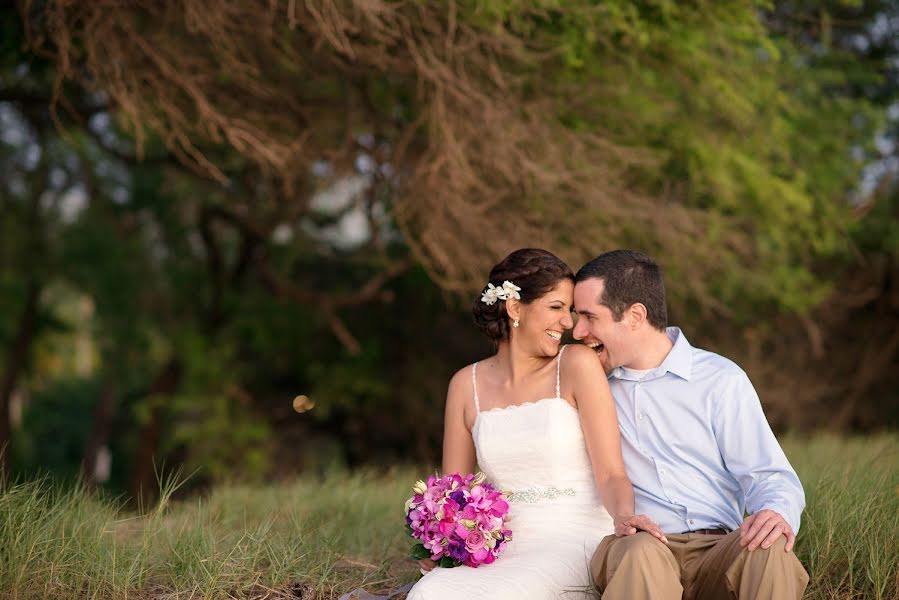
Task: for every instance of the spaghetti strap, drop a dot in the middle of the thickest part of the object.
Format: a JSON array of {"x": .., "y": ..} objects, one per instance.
[
  {"x": 474, "y": 386},
  {"x": 558, "y": 373}
]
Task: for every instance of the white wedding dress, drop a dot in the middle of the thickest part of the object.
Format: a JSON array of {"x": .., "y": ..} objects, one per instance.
[{"x": 536, "y": 452}]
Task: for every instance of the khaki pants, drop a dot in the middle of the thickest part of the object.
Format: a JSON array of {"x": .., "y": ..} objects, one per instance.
[{"x": 694, "y": 567}]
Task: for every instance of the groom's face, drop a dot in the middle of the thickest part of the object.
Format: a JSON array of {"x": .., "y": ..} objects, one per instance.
[{"x": 596, "y": 325}]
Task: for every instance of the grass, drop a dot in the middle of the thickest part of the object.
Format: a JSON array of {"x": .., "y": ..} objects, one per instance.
[{"x": 321, "y": 537}]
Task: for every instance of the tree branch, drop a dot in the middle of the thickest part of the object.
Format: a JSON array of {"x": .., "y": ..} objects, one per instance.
[{"x": 286, "y": 289}]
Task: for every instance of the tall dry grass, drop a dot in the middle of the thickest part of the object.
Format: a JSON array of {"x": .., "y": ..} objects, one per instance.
[{"x": 318, "y": 537}]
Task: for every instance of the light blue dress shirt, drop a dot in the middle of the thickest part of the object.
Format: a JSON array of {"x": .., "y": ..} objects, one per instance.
[{"x": 697, "y": 446}]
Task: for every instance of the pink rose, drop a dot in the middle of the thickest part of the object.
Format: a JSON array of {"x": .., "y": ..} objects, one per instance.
[{"x": 475, "y": 541}]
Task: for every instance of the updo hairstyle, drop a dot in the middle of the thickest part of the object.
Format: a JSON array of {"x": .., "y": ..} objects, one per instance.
[{"x": 535, "y": 271}]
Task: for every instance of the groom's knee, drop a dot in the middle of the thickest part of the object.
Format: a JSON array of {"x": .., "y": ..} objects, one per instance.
[
  {"x": 643, "y": 548},
  {"x": 767, "y": 572},
  {"x": 638, "y": 553},
  {"x": 775, "y": 555}
]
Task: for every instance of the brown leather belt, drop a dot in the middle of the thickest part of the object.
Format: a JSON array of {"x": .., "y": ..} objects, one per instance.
[{"x": 707, "y": 531}]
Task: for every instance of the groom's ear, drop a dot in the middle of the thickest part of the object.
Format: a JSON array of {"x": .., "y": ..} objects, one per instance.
[{"x": 636, "y": 314}]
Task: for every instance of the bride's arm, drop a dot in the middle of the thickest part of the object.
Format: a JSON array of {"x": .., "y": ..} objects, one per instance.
[
  {"x": 458, "y": 446},
  {"x": 599, "y": 422}
]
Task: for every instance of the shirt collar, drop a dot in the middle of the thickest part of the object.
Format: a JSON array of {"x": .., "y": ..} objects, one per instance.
[{"x": 679, "y": 360}]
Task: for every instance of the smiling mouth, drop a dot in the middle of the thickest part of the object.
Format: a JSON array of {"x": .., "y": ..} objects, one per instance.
[
  {"x": 556, "y": 335},
  {"x": 597, "y": 346}
]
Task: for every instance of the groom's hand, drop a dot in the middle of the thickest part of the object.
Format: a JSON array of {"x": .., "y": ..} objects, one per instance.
[
  {"x": 763, "y": 528},
  {"x": 631, "y": 524}
]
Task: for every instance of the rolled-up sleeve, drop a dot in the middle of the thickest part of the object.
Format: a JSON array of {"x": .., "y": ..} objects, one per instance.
[{"x": 752, "y": 453}]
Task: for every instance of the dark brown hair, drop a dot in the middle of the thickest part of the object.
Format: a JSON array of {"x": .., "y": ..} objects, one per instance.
[
  {"x": 629, "y": 277},
  {"x": 535, "y": 271}
]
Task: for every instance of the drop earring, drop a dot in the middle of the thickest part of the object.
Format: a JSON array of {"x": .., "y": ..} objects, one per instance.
[{"x": 514, "y": 322}]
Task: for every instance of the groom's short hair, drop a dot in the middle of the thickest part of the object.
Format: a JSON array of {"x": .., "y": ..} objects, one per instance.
[{"x": 629, "y": 277}]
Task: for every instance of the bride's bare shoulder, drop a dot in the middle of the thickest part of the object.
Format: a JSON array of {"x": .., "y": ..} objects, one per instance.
[
  {"x": 578, "y": 352},
  {"x": 460, "y": 385},
  {"x": 461, "y": 376},
  {"x": 580, "y": 360}
]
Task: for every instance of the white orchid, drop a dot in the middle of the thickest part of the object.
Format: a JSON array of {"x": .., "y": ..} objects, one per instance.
[
  {"x": 506, "y": 291},
  {"x": 490, "y": 295},
  {"x": 511, "y": 290}
]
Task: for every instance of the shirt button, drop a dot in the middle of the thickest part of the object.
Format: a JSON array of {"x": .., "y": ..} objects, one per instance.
[
  {"x": 640, "y": 416},
  {"x": 691, "y": 521},
  {"x": 662, "y": 471}
]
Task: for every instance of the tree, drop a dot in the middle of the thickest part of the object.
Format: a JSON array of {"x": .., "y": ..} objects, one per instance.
[
  {"x": 297, "y": 199},
  {"x": 670, "y": 126}
]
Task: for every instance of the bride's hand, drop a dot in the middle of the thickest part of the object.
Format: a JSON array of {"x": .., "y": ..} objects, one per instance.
[
  {"x": 631, "y": 524},
  {"x": 426, "y": 564}
]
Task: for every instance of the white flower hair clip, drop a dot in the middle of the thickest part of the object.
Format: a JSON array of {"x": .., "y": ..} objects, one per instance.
[{"x": 504, "y": 292}]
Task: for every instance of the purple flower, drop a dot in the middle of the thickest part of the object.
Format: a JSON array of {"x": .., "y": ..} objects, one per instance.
[
  {"x": 459, "y": 498},
  {"x": 457, "y": 552}
]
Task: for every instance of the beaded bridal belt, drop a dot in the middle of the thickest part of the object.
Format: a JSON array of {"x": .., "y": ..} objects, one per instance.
[{"x": 537, "y": 494}]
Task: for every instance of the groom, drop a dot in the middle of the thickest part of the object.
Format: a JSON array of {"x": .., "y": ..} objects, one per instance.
[{"x": 697, "y": 448}]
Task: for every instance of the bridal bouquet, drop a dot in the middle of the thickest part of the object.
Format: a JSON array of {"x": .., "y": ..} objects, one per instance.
[{"x": 457, "y": 520}]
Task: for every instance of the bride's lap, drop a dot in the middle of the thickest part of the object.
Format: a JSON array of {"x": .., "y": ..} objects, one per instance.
[{"x": 561, "y": 568}]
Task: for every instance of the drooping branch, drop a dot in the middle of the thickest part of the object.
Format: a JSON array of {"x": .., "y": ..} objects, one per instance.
[{"x": 486, "y": 166}]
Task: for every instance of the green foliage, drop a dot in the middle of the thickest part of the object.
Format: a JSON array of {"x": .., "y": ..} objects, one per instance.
[
  {"x": 419, "y": 552},
  {"x": 214, "y": 425},
  {"x": 877, "y": 232},
  {"x": 735, "y": 114},
  {"x": 54, "y": 430},
  {"x": 351, "y": 384}
]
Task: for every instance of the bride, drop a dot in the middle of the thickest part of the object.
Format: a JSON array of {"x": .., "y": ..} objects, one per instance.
[{"x": 544, "y": 430}]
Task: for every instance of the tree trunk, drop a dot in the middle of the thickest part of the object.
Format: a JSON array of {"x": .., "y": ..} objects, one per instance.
[
  {"x": 16, "y": 359},
  {"x": 143, "y": 473},
  {"x": 99, "y": 435}
]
